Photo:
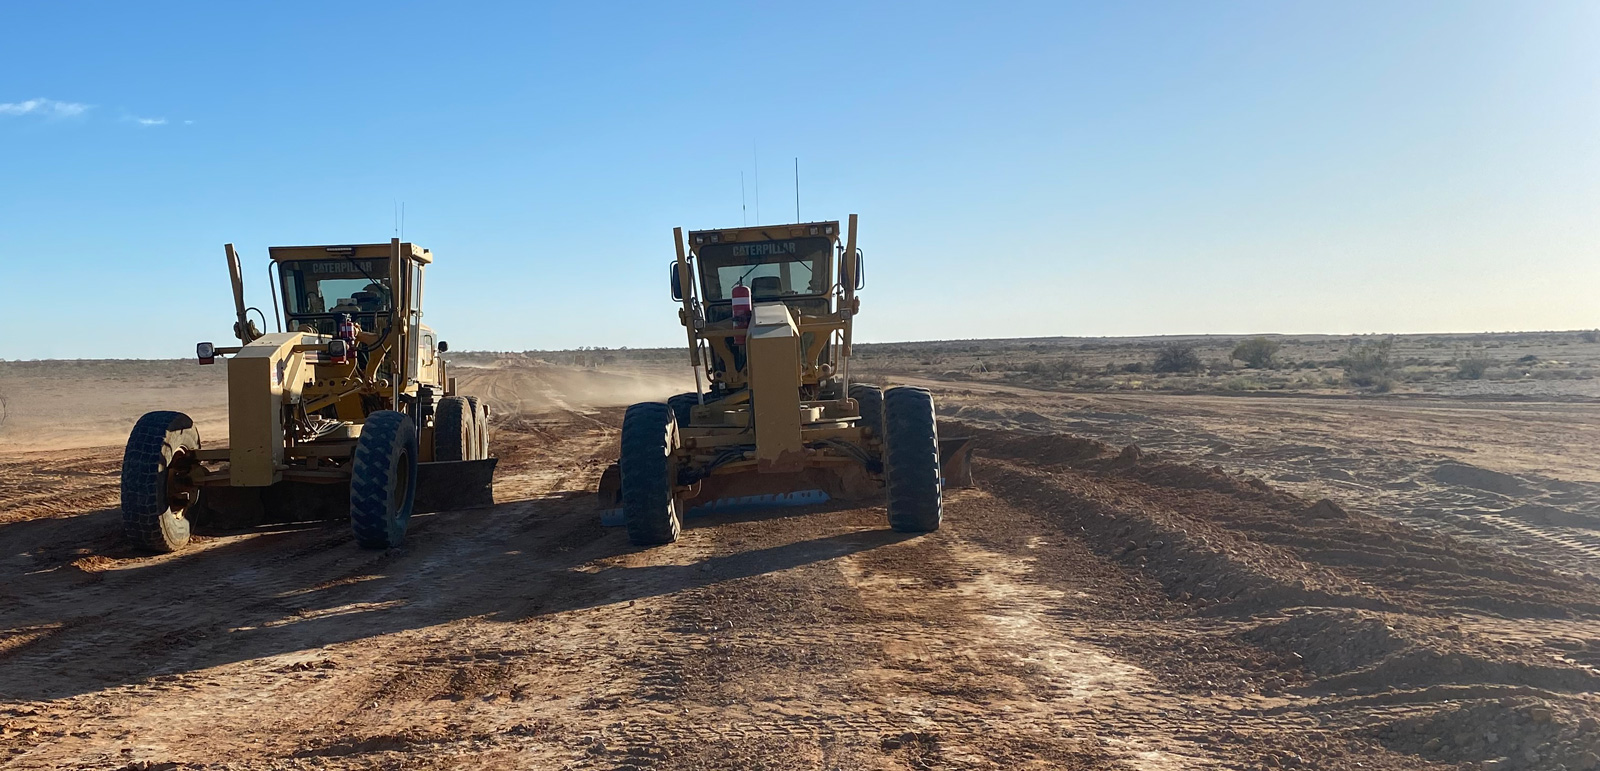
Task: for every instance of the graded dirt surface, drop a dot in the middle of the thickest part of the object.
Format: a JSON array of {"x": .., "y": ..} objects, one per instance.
[
  {"x": 1521, "y": 474},
  {"x": 1085, "y": 605}
]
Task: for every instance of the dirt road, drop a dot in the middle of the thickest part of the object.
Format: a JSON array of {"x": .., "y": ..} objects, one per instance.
[{"x": 1083, "y": 607}]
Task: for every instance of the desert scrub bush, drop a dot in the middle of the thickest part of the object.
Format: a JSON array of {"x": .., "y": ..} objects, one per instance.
[
  {"x": 1177, "y": 357},
  {"x": 1257, "y": 352},
  {"x": 1473, "y": 367},
  {"x": 1370, "y": 364},
  {"x": 1590, "y": 336},
  {"x": 1059, "y": 369}
]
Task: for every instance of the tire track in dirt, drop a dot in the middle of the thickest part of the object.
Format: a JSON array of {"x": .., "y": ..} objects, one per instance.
[{"x": 1082, "y": 609}]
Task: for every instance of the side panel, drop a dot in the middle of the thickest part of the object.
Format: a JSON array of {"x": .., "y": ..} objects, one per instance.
[
  {"x": 774, "y": 361},
  {"x": 260, "y": 377}
]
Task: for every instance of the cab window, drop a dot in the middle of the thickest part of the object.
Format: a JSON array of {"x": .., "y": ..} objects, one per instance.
[
  {"x": 795, "y": 267},
  {"x": 317, "y": 287}
]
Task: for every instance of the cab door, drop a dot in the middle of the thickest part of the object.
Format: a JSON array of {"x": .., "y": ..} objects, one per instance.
[{"x": 413, "y": 320}]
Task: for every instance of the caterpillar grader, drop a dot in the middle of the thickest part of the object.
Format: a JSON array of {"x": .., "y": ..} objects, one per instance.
[
  {"x": 347, "y": 410},
  {"x": 774, "y": 412}
]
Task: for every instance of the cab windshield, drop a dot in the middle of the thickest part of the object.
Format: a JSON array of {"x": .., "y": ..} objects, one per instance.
[
  {"x": 772, "y": 269},
  {"x": 318, "y": 287}
]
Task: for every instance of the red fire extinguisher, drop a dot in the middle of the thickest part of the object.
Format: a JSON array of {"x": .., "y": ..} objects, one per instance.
[
  {"x": 741, "y": 305},
  {"x": 345, "y": 342}
]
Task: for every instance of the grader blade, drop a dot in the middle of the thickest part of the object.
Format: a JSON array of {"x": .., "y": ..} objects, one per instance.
[
  {"x": 610, "y": 490},
  {"x": 955, "y": 461},
  {"x": 237, "y": 508},
  {"x": 456, "y": 484},
  {"x": 442, "y": 486},
  {"x": 720, "y": 494}
]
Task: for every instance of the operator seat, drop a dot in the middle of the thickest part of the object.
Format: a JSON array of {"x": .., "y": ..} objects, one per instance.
[{"x": 766, "y": 287}]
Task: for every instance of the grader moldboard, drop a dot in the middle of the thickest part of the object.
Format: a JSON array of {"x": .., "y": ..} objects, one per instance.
[
  {"x": 776, "y": 417},
  {"x": 350, "y": 413}
]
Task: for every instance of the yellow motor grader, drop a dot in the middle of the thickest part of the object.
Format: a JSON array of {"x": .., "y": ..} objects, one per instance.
[
  {"x": 347, "y": 410},
  {"x": 774, "y": 412}
]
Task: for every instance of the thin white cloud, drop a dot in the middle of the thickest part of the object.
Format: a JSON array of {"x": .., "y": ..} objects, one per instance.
[
  {"x": 49, "y": 108},
  {"x": 150, "y": 121}
]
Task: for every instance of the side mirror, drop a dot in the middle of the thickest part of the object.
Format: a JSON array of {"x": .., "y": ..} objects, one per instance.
[
  {"x": 859, "y": 261},
  {"x": 443, "y": 346},
  {"x": 677, "y": 282}
]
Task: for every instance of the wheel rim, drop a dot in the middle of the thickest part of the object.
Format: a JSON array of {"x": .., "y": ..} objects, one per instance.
[
  {"x": 402, "y": 481},
  {"x": 181, "y": 489}
]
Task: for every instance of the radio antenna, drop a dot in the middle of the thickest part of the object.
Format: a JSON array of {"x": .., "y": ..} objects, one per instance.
[
  {"x": 797, "y": 189},
  {"x": 397, "y": 216},
  {"x": 744, "y": 214}
]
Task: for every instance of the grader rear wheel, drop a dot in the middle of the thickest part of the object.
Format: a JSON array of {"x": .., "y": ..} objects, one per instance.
[
  {"x": 681, "y": 406},
  {"x": 454, "y": 434},
  {"x": 870, "y": 399},
  {"x": 480, "y": 423}
]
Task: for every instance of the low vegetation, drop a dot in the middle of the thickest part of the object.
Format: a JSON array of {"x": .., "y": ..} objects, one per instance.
[
  {"x": 1474, "y": 366},
  {"x": 1257, "y": 352},
  {"x": 1177, "y": 357},
  {"x": 1544, "y": 363},
  {"x": 1370, "y": 364}
]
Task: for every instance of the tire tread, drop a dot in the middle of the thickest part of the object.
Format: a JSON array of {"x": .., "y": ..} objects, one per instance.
[
  {"x": 911, "y": 460},
  {"x": 647, "y": 505},
  {"x": 143, "y": 481},
  {"x": 453, "y": 434},
  {"x": 385, "y": 434}
]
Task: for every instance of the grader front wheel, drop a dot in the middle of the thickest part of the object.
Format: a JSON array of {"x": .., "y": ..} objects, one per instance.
[
  {"x": 911, "y": 461},
  {"x": 383, "y": 481},
  {"x": 156, "y": 488},
  {"x": 648, "y": 506}
]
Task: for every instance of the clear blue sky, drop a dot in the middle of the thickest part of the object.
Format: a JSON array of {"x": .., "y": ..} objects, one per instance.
[{"x": 1020, "y": 169}]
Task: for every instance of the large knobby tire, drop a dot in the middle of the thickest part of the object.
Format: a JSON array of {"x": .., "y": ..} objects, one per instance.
[
  {"x": 454, "y": 437},
  {"x": 383, "y": 479},
  {"x": 870, "y": 397},
  {"x": 649, "y": 508},
  {"x": 911, "y": 460},
  {"x": 480, "y": 425},
  {"x": 154, "y": 498},
  {"x": 681, "y": 406}
]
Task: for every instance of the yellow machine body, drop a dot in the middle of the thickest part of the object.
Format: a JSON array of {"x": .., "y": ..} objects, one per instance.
[
  {"x": 774, "y": 416},
  {"x": 295, "y": 408}
]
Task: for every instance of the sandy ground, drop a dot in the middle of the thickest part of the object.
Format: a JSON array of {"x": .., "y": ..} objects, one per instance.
[
  {"x": 1084, "y": 606},
  {"x": 1519, "y": 474}
]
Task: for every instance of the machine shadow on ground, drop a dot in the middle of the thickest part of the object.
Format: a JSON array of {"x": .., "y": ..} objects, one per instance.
[{"x": 69, "y": 628}]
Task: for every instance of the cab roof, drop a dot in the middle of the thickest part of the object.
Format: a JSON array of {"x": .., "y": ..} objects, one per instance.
[
  {"x": 699, "y": 238},
  {"x": 348, "y": 251}
]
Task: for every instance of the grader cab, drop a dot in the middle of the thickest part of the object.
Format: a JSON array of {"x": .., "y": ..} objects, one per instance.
[
  {"x": 774, "y": 412},
  {"x": 347, "y": 410}
]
